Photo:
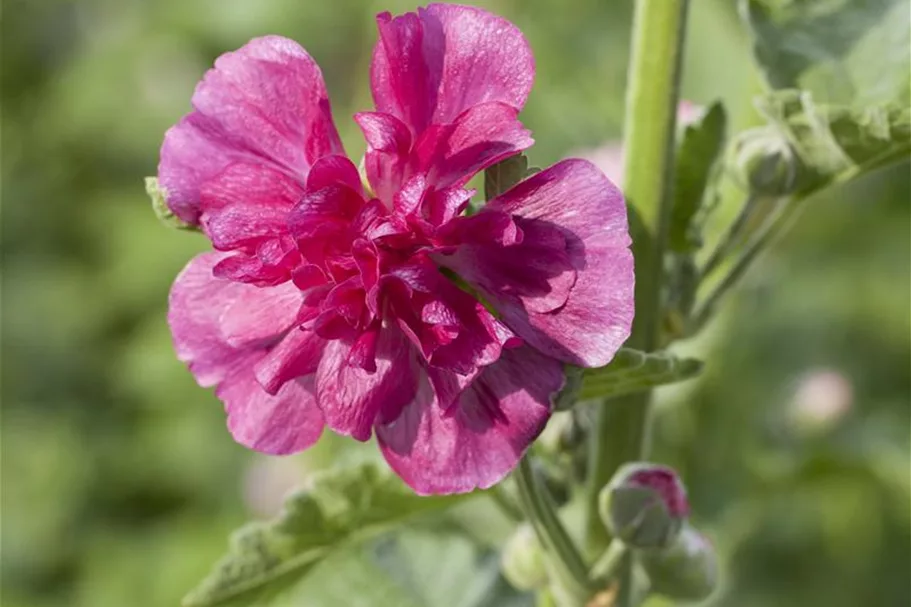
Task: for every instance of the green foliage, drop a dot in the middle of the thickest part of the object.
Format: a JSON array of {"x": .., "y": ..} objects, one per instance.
[
  {"x": 444, "y": 569},
  {"x": 698, "y": 155},
  {"x": 414, "y": 569},
  {"x": 505, "y": 174},
  {"x": 843, "y": 51},
  {"x": 837, "y": 142},
  {"x": 340, "y": 508},
  {"x": 634, "y": 371}
]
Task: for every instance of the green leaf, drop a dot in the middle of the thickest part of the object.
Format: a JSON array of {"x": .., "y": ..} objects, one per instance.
[
  {"x": 442, "y": 569},
  {"x": 844, "y": 51},
  {"x": 505, "y": 174},
  {"x": 348, "y": 577},
  {"x": 340, "y": 508},
  {"x": 835, "y": 142},
  {"x": 160, "y": 206},
  {"x": 698, "y": 156},
  {"x": 412, "y": 569},
  {"x": 635, "y": 371}
]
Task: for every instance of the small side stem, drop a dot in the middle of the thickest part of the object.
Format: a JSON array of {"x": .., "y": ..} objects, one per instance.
[
  {"x": 729, "y": 240},
  {"x": 559, "y": 547},
  {"x": 606, "y": 567},
  {"x": 778, "y": 224},
  {"x": 506, "y": 504}
]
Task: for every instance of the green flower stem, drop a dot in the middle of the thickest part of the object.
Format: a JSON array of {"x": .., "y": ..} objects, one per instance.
[
  {"x": 779, "y": 223},
  {"x": 620, "y": 426},
  {"x": 506, "y": 504},
  {"x": 732, "y": 235},
  {"x": 561, "y": 553},
  {"x": 609, "y": 565},
  {"x": 621, "y": 429}
]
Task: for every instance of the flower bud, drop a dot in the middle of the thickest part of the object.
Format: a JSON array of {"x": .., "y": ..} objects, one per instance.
[
  {"x": 765, "y": 162},
  {"x": 522, "y": 560},
  {"x": 644, "y": 505},
  {"x": 687, "y": 570}
]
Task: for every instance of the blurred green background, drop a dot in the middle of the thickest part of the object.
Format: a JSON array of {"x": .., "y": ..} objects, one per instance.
[{"x": 120, "y": 483}]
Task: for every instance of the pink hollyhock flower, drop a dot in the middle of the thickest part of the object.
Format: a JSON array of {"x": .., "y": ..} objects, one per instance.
[{"x": 328, "y": 304}]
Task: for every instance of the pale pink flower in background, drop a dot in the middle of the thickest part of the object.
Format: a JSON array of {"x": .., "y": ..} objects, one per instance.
[
  {"x": 267, "y": 481},
  {"x": 609, "y": 156},
  {"x": 822, "y": 397}
]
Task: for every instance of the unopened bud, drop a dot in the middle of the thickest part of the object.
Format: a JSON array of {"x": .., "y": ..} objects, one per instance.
[
  {"x": 687, "y": 570},
  {"x": 522, "y": 560},
  {"x": 765, "y": 162},
  {"x": 644, "y": 505}
]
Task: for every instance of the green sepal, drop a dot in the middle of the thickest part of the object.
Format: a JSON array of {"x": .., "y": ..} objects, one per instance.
[
  {"x": 160, "y": 206},
  {"x": 634, "y": 371},
  {"x": 687, "y": 570}
]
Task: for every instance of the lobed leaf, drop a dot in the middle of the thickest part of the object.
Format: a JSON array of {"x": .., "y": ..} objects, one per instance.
[
  {"x": 833, "y": 142},
  {"x": 416, "y": 568},
  {"x": 844, "y": 51},
  {"x": 340, "y": 508},
  {"x": 635, "y": 371}
]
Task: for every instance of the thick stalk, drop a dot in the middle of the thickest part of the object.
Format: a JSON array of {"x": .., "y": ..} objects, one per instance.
[
  {"x": 561, "y": 553},
  {"x": 621, "y": 430}
]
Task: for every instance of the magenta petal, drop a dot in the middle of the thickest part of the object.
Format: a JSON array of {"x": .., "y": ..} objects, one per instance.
[
  {"x": 259, "y": 315},
  {"x": 401, "y": 71},
  {"x": 453, "y": 330},
  {"x": 479, "y": 137},
  {"x": 567, "y": 288},
  {"x": 478, "y": 441},
  {"x": 429, "y": 69},
  {"x": 265, "y": 103},
  {"x": 296, "y": 355},
  {"x": 538, "y": 270},
  {"x": 351, "y": 398},
  {"x": 574, "y": 195},
  {"x": 246, "y": 204},
  {"x": 493, "y": 227},
  {"x": 334, "y": 170},
  {"x": 281, "y": 424},
  {"x": 284, "y": 423},
  {"x": 251, "y": 270},
  {"x": 388, "y": 146},
  {"x": 212, "y": 319},
  {"x": 323, "y": 211},
  {"x": 196, "y": 303}
]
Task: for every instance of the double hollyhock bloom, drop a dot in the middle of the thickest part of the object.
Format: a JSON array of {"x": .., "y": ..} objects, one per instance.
[{"x": 384, "y": 309}]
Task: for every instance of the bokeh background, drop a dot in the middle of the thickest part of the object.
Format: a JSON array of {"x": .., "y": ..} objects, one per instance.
[{"x": 120, "y": 483}]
